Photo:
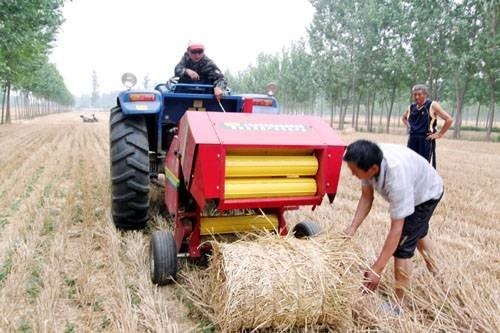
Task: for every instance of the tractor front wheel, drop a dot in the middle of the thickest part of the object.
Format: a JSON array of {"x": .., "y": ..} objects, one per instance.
[
  {"x": 162, "y": 258},
  {"x": 306, "y": 229},
  {"x": 129, "y": 157}
]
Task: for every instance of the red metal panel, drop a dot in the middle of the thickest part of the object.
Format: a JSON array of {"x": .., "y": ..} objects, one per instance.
[
  {"x": 269, "y": 202},
  {"x": 271, "y": 130},
  {"x": 330, "y": 164},
  {"x": 194, "y": 128},
  {"x": 195, "y": 238},
  {"x": 172, "y": 173},
  {"x": 178, "y": 233},
  {"x": 282, "y": 228},
  {"x": 208, "y": 176},
  {"x": 201, "y": 126},
  {"x": 248, "y": 105}
]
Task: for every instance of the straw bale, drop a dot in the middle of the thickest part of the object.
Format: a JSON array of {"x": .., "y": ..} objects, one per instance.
[{"x": 282, "y": 282}]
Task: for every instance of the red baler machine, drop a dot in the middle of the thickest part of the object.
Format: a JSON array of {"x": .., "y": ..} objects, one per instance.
[{"x": 239, "y": 172}]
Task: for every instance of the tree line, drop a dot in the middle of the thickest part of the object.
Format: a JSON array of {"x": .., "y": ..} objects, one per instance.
[
  {"x": 28, "y": 82},
  {"x": 361, "y": 58}
]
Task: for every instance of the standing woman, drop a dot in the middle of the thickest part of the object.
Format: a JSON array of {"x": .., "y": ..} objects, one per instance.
[{"x": 421, "y": 120}]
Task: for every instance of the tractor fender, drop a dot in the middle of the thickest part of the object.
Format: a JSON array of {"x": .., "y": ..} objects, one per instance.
[{"x": 140, "y": 107}]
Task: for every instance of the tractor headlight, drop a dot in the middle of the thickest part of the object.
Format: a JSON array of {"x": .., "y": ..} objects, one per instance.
[{"x": 129, "y": 80}]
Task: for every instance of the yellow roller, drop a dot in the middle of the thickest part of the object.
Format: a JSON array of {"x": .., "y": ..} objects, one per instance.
[
  {"x": 270, "y": 166},
  {"x": 237, "y": 188},
  {"x": 233, "y": 224}
]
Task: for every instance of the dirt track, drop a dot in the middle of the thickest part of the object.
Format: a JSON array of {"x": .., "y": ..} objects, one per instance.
[{"x": 64, "y": 267}]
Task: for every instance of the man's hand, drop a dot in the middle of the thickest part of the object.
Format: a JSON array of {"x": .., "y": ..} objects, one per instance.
[
  {"x": 192, "y": 74},
  {"x": 218, "y": 93},
  {"x": 349, "y": 231},
  {"x": 434, "y": 136},
  {"x": 372, "y": 280}
]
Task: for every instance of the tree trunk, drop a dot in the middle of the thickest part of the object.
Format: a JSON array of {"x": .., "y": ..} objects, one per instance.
[
  {"x": 391, "y": 105},
  {"x": 491, "y": 111},
  {"x": 341, "y": 122},
  {"x": 367, "y": 108},
  {"x": 354, "y": 103},
  {"x": 459, "y": 105},
  {"x": 353, "y": 116},
  {"x": 372, "y": 112},
  {"x": 358, "y": 104},
  {"x": 492, "y": 76},
  {"x": 343, "y": 110},
  {"x": 17, "y": 110},
  {"x": 7, "y": 110},
  {"x": 477, "y": 114},
  {"x": 346, "y": 105},
  {"x": 332, "y": 112},
  {"x": 4, "y": 97},
  {"x": 382, "y": 105},
  {"x": 30, "y": 105}
]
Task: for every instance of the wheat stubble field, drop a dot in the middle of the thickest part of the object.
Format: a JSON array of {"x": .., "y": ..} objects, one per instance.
[{"x": 65, "y": 268}]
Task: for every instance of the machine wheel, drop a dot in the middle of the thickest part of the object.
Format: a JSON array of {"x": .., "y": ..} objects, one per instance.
[
  {"x": 306, "y": 229},
  {"x": 162, "y": 257},
  {"x": 129, "y": 156}
]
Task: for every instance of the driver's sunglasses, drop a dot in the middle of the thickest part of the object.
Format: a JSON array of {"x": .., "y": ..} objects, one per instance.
[{"x": 196, "y": 51}]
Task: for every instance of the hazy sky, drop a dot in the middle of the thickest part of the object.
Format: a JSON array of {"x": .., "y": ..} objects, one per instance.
[{"x": 149, "y": 37}]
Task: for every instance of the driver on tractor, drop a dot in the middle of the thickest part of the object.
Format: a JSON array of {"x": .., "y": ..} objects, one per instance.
[{"x": 196, "y": 67}]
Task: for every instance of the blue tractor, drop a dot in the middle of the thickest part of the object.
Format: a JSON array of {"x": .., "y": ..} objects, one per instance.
[{"x": 142, "y": 126}]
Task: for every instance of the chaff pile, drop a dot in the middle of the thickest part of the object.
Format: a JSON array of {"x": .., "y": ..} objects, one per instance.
[{"x": 281, "y": 283}]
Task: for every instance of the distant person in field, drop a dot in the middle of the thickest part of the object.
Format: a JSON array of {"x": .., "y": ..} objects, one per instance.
[
  {"x": 421, "y": 120},
  {"x": 196, "y": 67},
  {"x": 413, "y": 189}
]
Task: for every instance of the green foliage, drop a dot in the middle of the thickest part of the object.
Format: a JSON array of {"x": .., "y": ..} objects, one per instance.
[
  {"x": 134, "y": 297},
  {"x": 6, "y": 267},
  {"x": 24, "y": 326},
  {"x": 48, "y": 226},
  {"x": 371, "y": 52},
  {"x": 34, "y": 283},
  {"x": 70, "y": 328},
  {"x": 72, "y": 288},
  {"x": 479, "y": 129},
  {"x": 27, "y": 29}
]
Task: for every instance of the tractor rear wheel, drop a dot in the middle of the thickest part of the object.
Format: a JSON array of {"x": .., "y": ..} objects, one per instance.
[
  {"x": 306, "y": 229},
  {"x": 129, "y": 155},
  {"x": 162, "y": 258}
]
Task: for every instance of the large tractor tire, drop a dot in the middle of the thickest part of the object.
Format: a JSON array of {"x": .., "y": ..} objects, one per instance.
[
  {"x": 162, "y": 258},
  {"x": 129, "y": 155}
]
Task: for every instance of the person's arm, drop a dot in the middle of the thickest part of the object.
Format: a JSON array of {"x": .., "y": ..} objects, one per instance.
[
  {"x": 438, "y": 111},
  {"x": 400, "y": 195},
  {"x": 364, "y": 206},
  {"x": 404, "y": 117},
  {"x": 390, "y": 245},
  {"x": 180, "y": 69},
  {"x": 215, "y": 75}
]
